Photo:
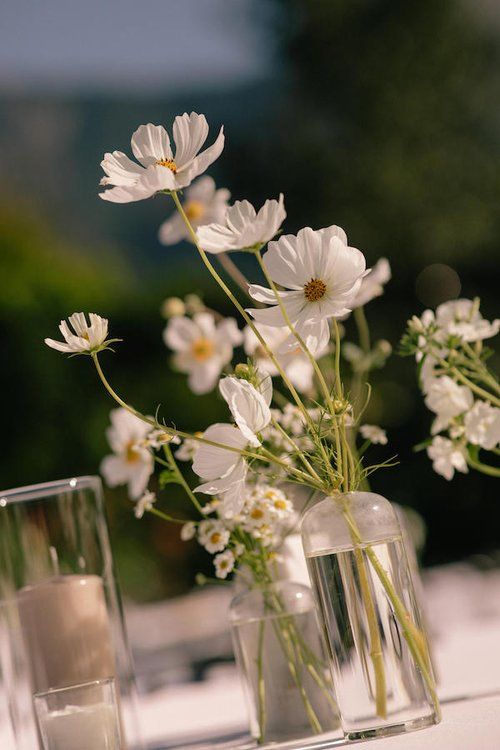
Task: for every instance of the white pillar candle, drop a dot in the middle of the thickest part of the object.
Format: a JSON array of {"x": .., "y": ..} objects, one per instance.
[
  {"x": 66, "y": 631},
  {"x": 91, "y": 727}
]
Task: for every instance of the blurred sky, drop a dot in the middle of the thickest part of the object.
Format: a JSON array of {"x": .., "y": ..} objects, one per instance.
[{"x": 124, "y": 45}]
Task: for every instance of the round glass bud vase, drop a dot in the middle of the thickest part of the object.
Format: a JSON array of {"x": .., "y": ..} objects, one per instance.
[
  {"x": 363, "y": 586},
  {"x": 280, "y": 655}
]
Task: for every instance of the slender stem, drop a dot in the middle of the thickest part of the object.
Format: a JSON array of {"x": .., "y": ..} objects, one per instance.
[
  {"x": 180, "y": 477},
  {"x": 363, "y": 329},
  {"x": 300, "y": 340},
  {"x": 475, "y": 388},
  {"x": 155, "y": 512},
  {"x": 294, "y": 445},
  {"x": 491, "y": 471},
  {"x": 248, "y": 320}
]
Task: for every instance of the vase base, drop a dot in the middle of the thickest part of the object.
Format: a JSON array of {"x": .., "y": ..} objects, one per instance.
[{"x": 390, "y": 730}]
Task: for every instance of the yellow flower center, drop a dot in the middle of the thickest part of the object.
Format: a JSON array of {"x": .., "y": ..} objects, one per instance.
[
  {"x": 215, "y": 537},
  {"x": 223, "y": 564},
  {"x": 314, "y": 290},
  {"x": 280, "y": 504},
  {"x": 257, "y": 514},
  {"x": 194, "y": 210},
  {"x": 169, "y": 163},
  {"x": 131, "y": 452},
  {"x": 202, "y": 349}
]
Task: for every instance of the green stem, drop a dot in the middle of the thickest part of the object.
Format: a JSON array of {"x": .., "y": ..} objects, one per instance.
[
  {"x": 261, "y": 689},
  {"x": 234, "y": 272},
  {"x": 363, "y": 329},
  {"x": 180, "y": 477},
  {"x": 491, "y": 471}
]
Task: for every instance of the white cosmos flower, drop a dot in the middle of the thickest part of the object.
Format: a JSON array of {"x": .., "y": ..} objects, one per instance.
[
  {"x": 202, "y": 347},
  {"x": 158, "y": 168},
  {"x": 144, "y": 503},
  {"x": 224, "y": 563},
  {"x": 225, "y": 471},
  {"x": 373, "y": 433},
  {"x": 242, "y": 227},
  {"x": 131, "y": 463},
  {"x": 372, "y": 284},
  {"x": 204, "y": 204},
  {"x": 446, "y": 456},
  {"x": 447, "y": 400},
  {"x": 294, "y": 362},
  {"x": 86, "y": 337},
  {"x": 461, "y": 317},
  {"x": 482, "y": 425},
  {"x": 322, "y": 275}
]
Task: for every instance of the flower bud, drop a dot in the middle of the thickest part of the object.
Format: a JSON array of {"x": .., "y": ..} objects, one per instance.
[
  {"x": 194, "y": 304},
  {"x": 172, "y": 307},
  {"x": 243, "y": 371},
  {"x": 384, "y": 347}
]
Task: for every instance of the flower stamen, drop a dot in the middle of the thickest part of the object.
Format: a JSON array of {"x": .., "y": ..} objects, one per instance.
[
  {"x": 314, "y": 290},
  {"x": 169, "y": 163},
  {"x": 202, "y": 349}
]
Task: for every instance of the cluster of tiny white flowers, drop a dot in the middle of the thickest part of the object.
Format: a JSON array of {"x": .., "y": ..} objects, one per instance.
[
  {"x": 266, "y": 516},
  {"x": 465, "y": 419}
]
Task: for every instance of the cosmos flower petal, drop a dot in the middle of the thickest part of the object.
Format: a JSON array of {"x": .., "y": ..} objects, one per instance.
[{"x": 151, "y": 143}]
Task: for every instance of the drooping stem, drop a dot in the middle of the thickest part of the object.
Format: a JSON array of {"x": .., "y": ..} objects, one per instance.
[{"x": 491, "y": 471}]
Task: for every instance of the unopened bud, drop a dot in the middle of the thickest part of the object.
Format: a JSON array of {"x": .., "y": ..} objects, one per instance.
[
  {"x": 384, "y": 347},
  {"x": 194, "y": 304},
  {"x": 200, "y": 579},
  {"x": 243, "y": 371},
  {"x": 172, "y": 307}
]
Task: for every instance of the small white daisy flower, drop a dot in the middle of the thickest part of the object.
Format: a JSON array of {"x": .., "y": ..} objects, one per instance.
[
  {"x": 373, "y": 433},
  {"x": 159, "y": 169},
  {"x": 204, "y": 204},
  {"x": 482, "y": 425},
  {"x": 447, "y": 400},
  {"x": 213, "y": 535},
  {"x": 224, "y": 564}
]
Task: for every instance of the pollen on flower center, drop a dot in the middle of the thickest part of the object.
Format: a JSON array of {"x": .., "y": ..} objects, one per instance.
[
  {"x": 194, "y": 210},
  {"x": 202, "y": 349},
  {"x": 169, "y": 163},
  {"x": 131, "y": 452},
  {"x": 314, "y": 290},
  {"x": 215, "y": 538}
]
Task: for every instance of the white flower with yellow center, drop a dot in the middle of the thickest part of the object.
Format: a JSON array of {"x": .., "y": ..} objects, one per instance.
[
  {"x": 202, "y": 347},
  {"x": 322, "y": 276},
  {"x": 294, "y": 362},
  {"x": 131, "y": 463},
  {"x": 204, "y": 204},
  {"x": 158, "y": 168},
  {"x": 374, "y": 434},
  {"x": 243, "y": 227},
  {"x": 144, "y": 503},
  {"x": 446, "y": 457},
  {"x": 213, "y": 535},
  {"x": 83, "y": 337},
  {"x": 224, "y": 564},
  {"x": 225, "y": 471}
]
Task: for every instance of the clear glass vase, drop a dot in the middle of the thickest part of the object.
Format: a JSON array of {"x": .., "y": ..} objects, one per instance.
[
  {"x": 363, "y": 586},
  {"x": 61, "y": 620},
  {"x": 280, "y": 654}
]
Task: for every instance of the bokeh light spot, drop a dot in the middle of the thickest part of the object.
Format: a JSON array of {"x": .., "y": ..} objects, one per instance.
[{"x": 437, "y": 283}]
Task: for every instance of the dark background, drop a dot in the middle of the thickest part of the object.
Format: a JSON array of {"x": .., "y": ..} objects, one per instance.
[{"x": 380, "y": 116}]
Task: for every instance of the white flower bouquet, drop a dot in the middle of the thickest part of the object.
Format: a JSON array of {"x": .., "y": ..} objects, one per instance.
[{"x": 293, "y": 416}]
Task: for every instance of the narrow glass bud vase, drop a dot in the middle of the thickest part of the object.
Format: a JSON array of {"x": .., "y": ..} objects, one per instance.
[
  {"x": 279, "y": 652},
  {"x": 363, "y": 586}
]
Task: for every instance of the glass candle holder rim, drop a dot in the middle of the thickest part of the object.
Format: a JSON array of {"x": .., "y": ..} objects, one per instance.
[
  {"x": 47, "y": 489},
  {"x": 301, "y": 590},
  {"x": 66, "y": 688}
]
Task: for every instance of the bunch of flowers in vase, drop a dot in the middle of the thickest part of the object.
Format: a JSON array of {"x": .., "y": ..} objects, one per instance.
[{"x": 292, "y": 416}]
